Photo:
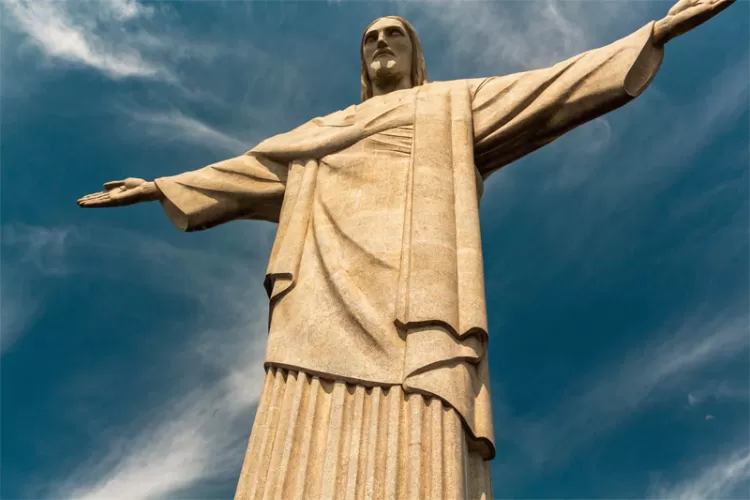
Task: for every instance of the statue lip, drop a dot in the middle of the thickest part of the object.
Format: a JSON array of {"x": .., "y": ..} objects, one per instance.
[{"x": 381, "y": 52}]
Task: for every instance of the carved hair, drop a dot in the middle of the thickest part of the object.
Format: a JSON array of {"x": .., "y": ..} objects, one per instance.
[{"x": 418, "y": 71}]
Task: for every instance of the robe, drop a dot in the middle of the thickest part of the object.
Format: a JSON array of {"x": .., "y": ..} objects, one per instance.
[{"x": 376, "y": 273}]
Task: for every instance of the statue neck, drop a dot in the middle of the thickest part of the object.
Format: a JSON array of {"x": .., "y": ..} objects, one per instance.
[{"x": 386, "y": 87}]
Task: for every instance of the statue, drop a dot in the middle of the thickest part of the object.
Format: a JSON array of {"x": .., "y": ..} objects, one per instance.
[{"x": 376, "y": 368}]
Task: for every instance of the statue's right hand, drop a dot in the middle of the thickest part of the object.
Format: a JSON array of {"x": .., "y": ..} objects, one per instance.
[{"x": 120, "y": 193}]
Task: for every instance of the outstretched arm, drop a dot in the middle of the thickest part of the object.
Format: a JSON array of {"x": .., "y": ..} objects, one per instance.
[
  {"x": 517, "y": 114},
  {"x": 245, "y": 187}
]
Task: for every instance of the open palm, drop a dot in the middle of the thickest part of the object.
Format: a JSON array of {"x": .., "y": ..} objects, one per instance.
[
  {"x": 685, "y": 5},
  {"x": 120, "y": 193}
]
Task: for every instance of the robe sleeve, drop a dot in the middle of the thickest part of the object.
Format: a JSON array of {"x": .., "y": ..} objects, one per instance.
[
  {"x": 246, "y": 187},
  {"x": 516, "y": 114}
]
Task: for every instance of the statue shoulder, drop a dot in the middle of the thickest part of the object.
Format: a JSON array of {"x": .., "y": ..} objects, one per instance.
[
  {"x": 443, "y": 86},
  {"x": 342, "y": 118}
]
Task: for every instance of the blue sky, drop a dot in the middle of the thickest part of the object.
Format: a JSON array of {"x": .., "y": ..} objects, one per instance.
[{"x": 616, "y": 258}]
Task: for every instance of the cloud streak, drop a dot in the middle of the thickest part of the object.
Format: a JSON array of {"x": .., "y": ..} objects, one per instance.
[
  {"x": 19, "y": 311},
  {"x": 609, "y": 397},
  {"x": 40, "y": 247},
  {"x": 179, "y": 127},
  {"x": 721, "y": 479},
  {"x": 199, "y": 435},
  {"x": 721, "y": 391},
  {"x": 91, "y": 34},
  {"x": 504, "y": 37}
]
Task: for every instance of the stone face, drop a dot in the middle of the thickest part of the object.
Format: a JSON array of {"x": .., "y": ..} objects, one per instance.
[{"x": 377, "y": 379}]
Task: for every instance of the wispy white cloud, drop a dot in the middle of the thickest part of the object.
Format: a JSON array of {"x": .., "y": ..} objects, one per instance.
[
  {"x": 719, "y": 391},
  {"x": 645, "y": 154},
  {"x": 609, "y": 397},
  {"x": 18, "y": 310},
  {"x": 727, "y": 477},
  {"x": 94, "y": 34},
  {"x": 671, "y": 139},
  {"x": 43, "y": 248},
  {"x": 503, "y": 37},
  {"x": 198, "y": 437},
  {"x": 200, "y": 431},
  {"x": 179, "y": 127}
]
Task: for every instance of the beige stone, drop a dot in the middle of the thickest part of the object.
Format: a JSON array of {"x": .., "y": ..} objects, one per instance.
[{"x": 377, "y": 379}]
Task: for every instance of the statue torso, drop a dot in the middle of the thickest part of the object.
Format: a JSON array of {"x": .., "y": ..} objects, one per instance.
[{"x": 345, "y": 292}]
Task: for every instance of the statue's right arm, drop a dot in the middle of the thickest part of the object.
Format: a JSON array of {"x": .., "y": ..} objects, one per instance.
[{"x": 245, "y": 187}]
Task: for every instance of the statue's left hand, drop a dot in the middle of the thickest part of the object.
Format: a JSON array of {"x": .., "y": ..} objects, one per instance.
[{"x": 686, "y": 15}]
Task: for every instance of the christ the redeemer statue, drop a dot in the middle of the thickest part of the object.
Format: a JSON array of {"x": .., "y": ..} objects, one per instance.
[{"x": 377, "y": 384}]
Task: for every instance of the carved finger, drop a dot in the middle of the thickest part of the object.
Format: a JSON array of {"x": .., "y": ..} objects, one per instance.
[
  {"x": 98, "y": 196},
  {"x": 85, "y": 203},
  {"x": 104, "y": 202},
  {"x": 92, "y": 195},
  {"x": 722, "y": 4},
  {"x": 682, "y": 6},
  {"x": 96, "y": 199}
]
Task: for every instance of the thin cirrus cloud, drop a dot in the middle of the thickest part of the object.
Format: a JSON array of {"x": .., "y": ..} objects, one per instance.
[
  {"x": 501, "y": 37},
  {"x": 179, "y": 127},
  {"x": 191, "y": 440},
  {"x": 90, "y": 34},
  {"x": 73, "y": 251},
  {"x": 661, "y": 368},
  {"x": 723, "y": 478},
  {"x": 20, "y": 310},
  {"x": 37, "y": 251},
  {"x": 39, "y": 247},
  {"x": 669, "y": 140},
  {"x": 718, "y": 391},
  {"x": 187, "y": 440},
  {"x": 194, "y": 437}
]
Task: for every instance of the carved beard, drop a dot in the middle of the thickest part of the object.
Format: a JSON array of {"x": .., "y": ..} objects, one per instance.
[{"x": 385, "y": 71}]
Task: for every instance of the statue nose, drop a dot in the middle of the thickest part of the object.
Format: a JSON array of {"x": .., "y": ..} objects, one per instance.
[{"x": 382, "y": 43}]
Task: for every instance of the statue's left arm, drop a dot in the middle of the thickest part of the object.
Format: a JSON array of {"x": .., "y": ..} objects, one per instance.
[{"x": 517, "y": 114}]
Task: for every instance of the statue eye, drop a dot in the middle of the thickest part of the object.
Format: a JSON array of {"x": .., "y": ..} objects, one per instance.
[
  {"x": 370, "y": 38},
  {"x": 395, "y": 32}
]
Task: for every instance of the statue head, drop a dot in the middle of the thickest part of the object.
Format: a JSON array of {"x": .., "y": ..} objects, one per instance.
[{"x": 390, "y": 50}]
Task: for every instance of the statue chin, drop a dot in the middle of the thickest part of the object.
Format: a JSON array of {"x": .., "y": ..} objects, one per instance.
[{"x": 384, "y": 76}]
